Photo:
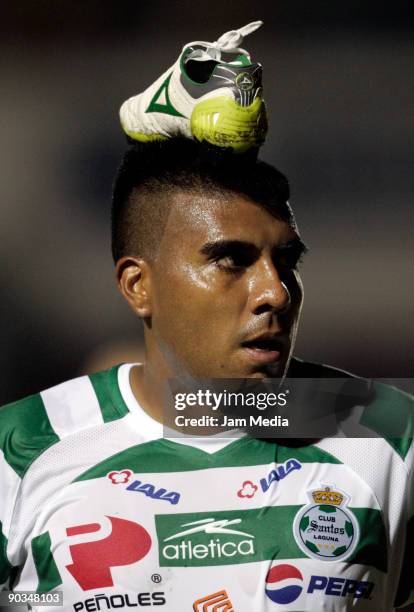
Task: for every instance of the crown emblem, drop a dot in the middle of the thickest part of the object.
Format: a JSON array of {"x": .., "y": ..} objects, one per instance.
[{"x": 328, "y": 497}]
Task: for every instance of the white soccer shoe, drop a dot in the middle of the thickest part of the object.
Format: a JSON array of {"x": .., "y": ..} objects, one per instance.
[{"x": 204, "y": 97}]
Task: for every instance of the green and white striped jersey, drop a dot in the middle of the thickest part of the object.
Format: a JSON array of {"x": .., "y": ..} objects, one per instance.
[{"x": 95, "y": 503}]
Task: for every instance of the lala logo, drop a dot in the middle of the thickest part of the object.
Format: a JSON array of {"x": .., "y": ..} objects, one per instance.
[
  {"x": 152, "y": 491},
  {"x": 121, "y": 477},
  {"x": 279, "y": 473},
  {"x": 248, "y": 489}
]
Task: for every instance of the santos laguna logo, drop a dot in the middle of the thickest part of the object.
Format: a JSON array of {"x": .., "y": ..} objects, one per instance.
[
  {"x": 201, "y": 542},
  {"x": 326, "y": 529}
]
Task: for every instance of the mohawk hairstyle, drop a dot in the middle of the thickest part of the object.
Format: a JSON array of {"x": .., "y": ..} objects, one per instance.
[{"x": 150, "y": 172}]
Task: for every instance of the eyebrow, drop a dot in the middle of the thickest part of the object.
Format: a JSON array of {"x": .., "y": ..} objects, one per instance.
[
  {"x": 296, "y": 245},
  {"x": 219, "y": 248}
]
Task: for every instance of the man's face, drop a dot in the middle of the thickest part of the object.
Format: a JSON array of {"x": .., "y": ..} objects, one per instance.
[{"x": 225, "y": 295}]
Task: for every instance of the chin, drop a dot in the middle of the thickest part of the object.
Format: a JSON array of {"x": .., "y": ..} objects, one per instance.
[{"x": 259, "y": 375}]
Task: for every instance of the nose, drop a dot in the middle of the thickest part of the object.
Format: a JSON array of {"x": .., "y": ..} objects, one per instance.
[{"x": 267, "y": 291}]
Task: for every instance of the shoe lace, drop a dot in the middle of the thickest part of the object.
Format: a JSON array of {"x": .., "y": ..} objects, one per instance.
[{"x": 229, "y": 42}]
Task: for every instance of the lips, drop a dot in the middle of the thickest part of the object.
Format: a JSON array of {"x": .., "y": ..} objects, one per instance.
[{"x": 263, "y": 349}]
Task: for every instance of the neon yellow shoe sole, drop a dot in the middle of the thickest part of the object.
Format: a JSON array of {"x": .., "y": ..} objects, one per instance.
[{"x": 222, "y": 122}]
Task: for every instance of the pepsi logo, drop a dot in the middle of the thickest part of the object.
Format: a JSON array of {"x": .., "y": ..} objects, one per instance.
[{"x": 284, "y": 583}]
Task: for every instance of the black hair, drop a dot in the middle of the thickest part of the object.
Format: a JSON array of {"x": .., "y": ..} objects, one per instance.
[{"x": 150, "y": 172}]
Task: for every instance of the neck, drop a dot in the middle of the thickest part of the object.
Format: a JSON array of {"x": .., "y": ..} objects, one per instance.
[
  {"x": 150, "y": 382},
  {"x": 150, "y": 390}
]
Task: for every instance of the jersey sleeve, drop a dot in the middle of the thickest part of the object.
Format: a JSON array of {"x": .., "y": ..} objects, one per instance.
[
  {"x": 24, "y": 433},
  {"x": 391, "y": 415},
  {"x": 9, "y": 484},
  {"x": 28, "y": 428},
  {"x": 405, "y": 591}
]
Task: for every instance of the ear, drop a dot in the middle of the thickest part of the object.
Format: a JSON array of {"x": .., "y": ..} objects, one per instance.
[{"x": 134, "y": 282}]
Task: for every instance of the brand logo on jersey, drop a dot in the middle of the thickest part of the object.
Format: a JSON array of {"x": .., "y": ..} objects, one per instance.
[
  {"x": 120, "y": 600},
  {"x": 326, "y": 529},
  {"x": 341, "y": 587},
  {"x": 280, "y": 472},
  {"x": 203, "y": 542},
  {"x": 151, "y": 491},
  {"x": 210, "y": 526},
  {"x": 121, "y": 477},
  {"x": 284, "y": 583},
  {"x": 248, "y": 489},
  {"x": 214, "y": 603},
  {"x": 127, "y": 543}
]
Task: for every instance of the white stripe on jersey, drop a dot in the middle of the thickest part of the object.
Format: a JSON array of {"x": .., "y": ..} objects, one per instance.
[{"x": 72, "y": 406}]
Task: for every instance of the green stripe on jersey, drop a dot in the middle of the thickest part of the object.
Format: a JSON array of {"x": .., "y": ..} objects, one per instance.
[
  {"x": 5, "y": 565},
  {"x": 391, "y": 410},
  {"x": 109, "y": 396},
  {"x": 245, "y": 536},
  {"x": 46, "y": 568},
  {"x": 25, "y": 432},
  {"x": 168, "y": 456}
]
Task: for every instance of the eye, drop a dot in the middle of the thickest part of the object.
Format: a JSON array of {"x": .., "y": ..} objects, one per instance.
[
  {"x": 290, "y": 261},
  {"x": 289, "y": 257},
  {"x": 234, "y": 262},
  {"x": 232, "y": 256},
  {"x": 228, "y": 264}
]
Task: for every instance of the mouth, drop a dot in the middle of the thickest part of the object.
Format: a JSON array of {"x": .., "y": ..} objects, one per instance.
[{"x": 264, "y": 349}]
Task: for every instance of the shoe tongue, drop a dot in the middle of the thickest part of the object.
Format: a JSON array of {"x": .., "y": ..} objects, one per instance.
[
  {"x": 202, "y": 55},
  {"x": 206, "y": 55}
]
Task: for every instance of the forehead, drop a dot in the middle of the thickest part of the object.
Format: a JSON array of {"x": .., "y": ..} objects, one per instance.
[{"x": 195, "y": 218}]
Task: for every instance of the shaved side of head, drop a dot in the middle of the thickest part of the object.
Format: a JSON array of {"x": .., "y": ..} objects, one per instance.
[{"x": 152, "y": 176}]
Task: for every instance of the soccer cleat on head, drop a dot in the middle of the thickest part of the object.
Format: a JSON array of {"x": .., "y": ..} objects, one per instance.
[{"x": 212, "y": 93}]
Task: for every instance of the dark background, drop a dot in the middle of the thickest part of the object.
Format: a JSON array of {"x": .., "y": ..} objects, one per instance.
[{"x": 338, "y": 80}]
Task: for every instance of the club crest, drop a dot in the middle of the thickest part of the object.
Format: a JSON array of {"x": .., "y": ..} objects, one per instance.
[{"x": 326, "y": 528}]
